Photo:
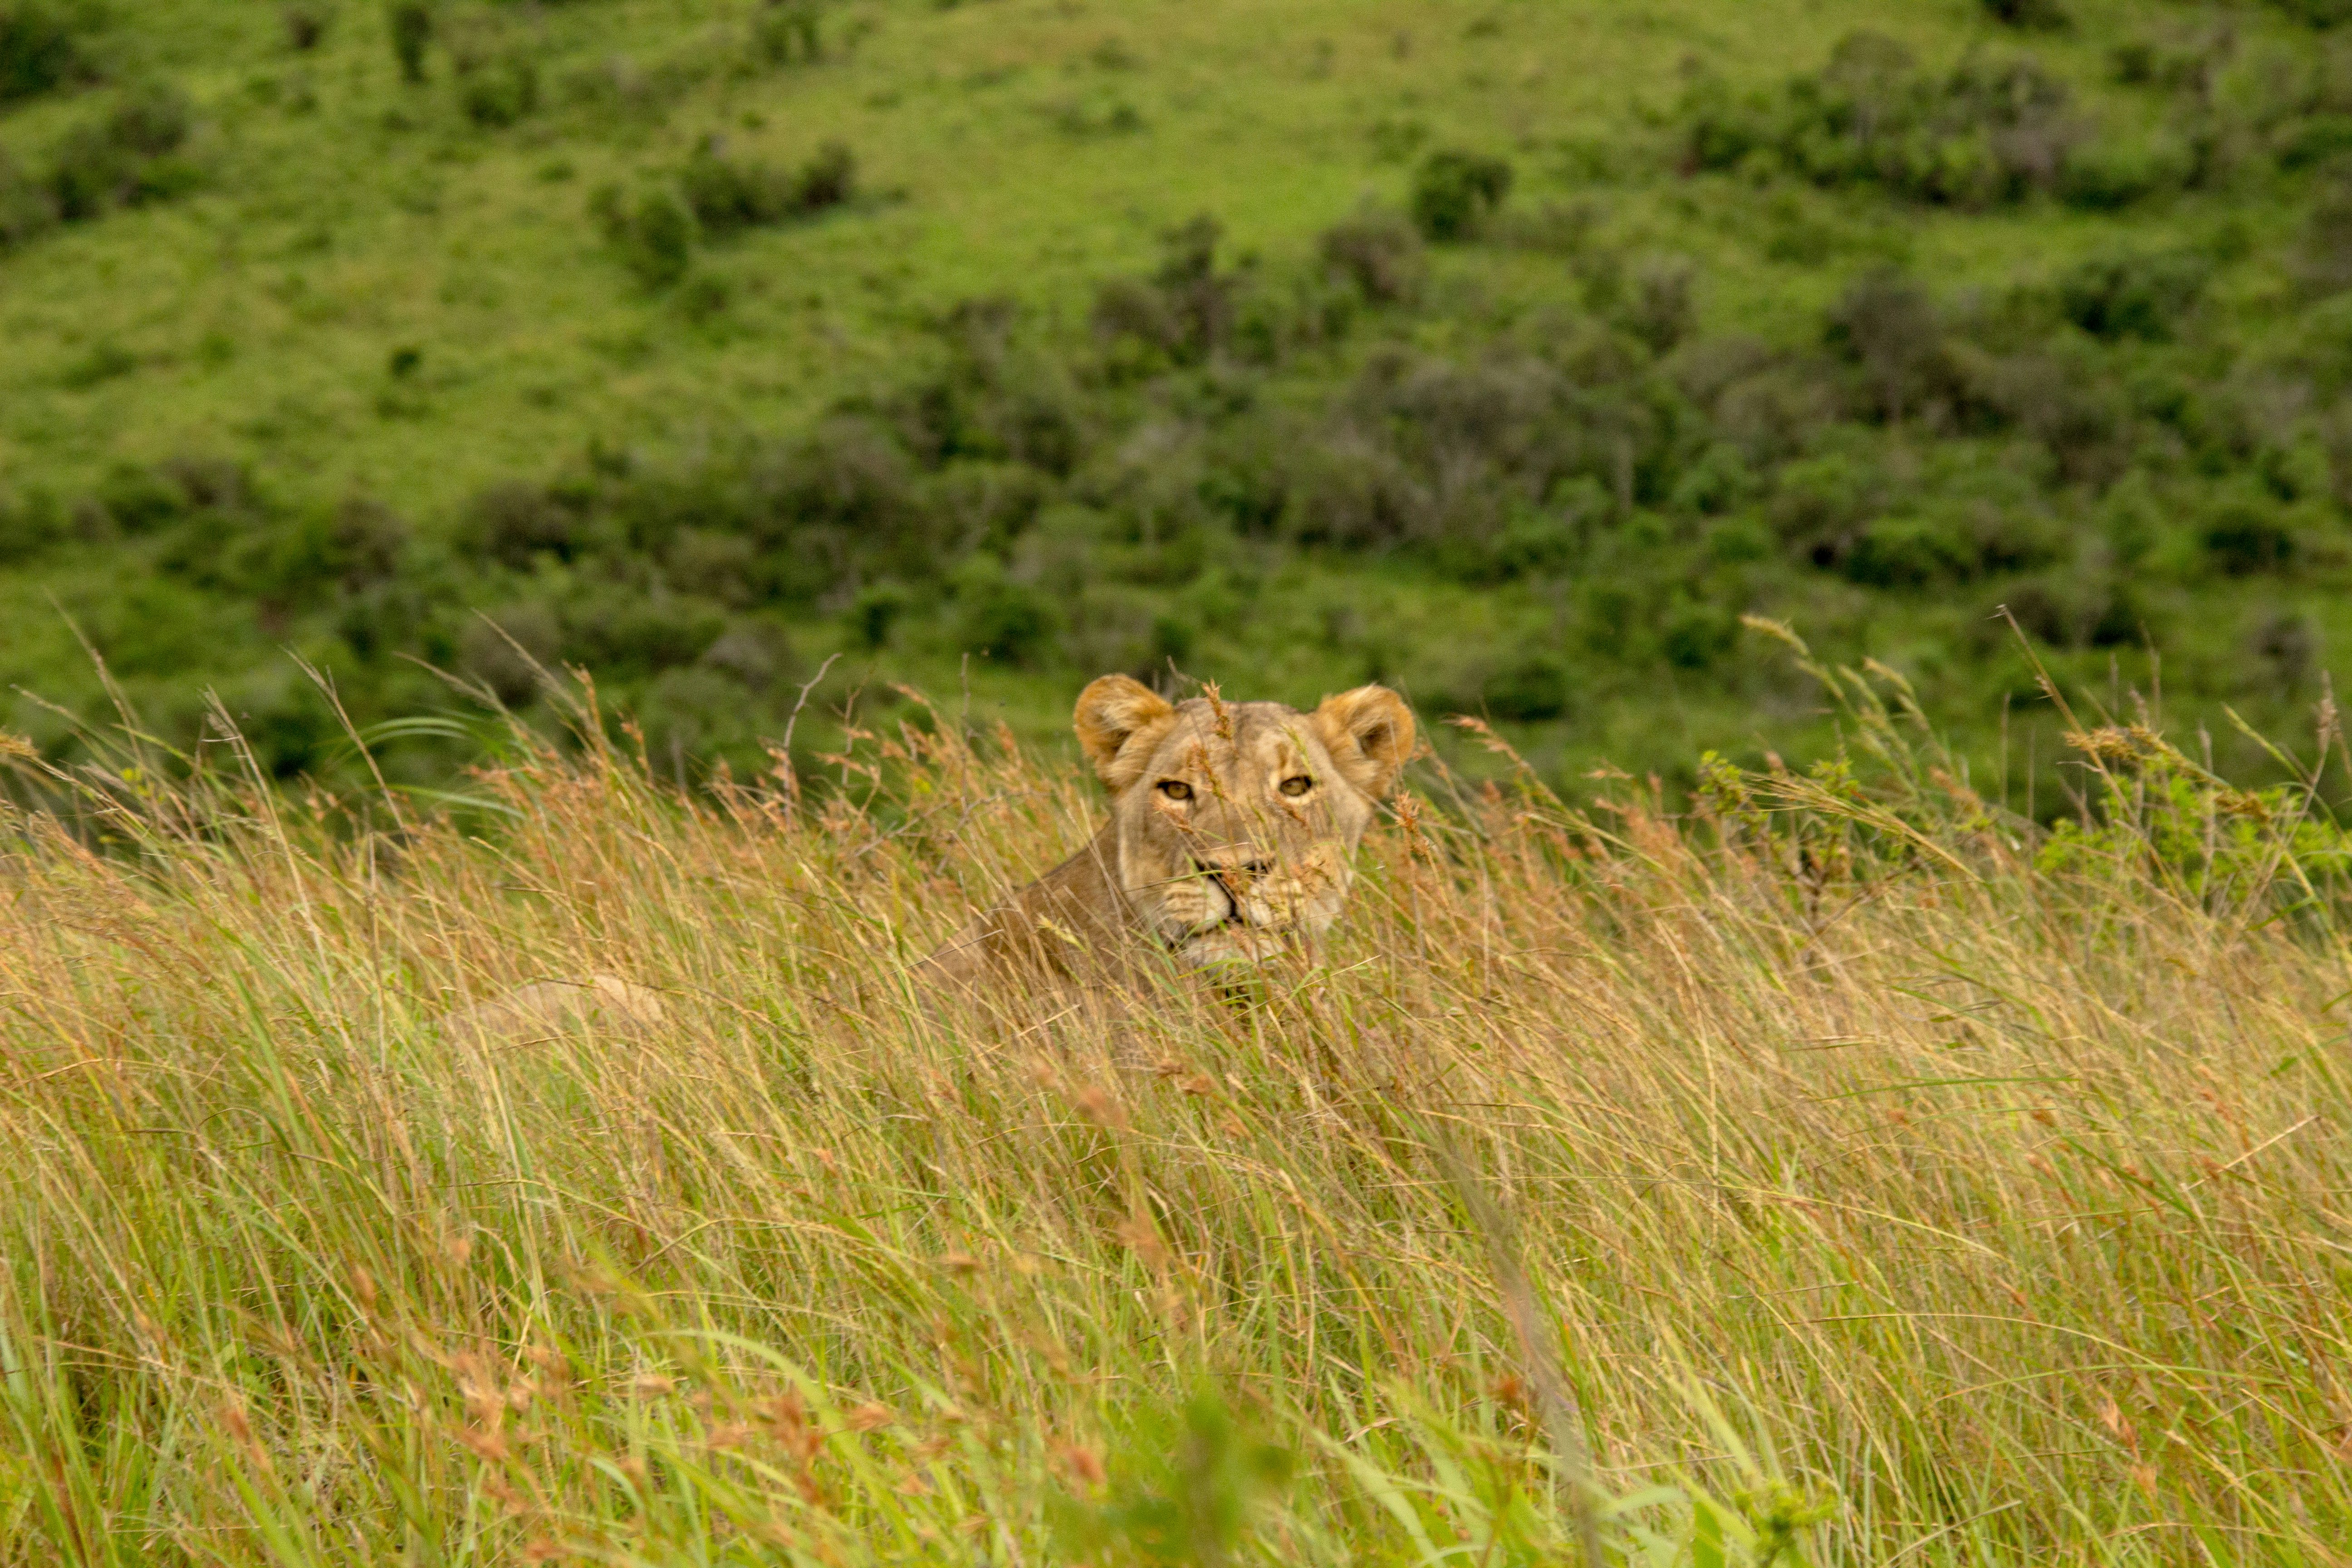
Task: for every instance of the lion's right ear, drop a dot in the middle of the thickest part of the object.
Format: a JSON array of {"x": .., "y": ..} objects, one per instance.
[{"x": 1112, "y": 711}]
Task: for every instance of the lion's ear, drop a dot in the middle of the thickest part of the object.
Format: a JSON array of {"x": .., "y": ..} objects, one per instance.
[
  {"x": 1112, "y": 711},
  {"x": 1369, "y": 733}
]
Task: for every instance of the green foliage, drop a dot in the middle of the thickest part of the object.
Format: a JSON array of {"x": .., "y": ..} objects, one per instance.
[
  {"x": 2048, "y": 15},
  {"x": 1377, "y": 254},
  {"x": 1454, "y": 191},
  {"x": 788, "y": 32},
  {"x": 654, "y": 231},
  {"x": 1990, "y": 131},
  {"x": 44, "y": 46},
  {"x": 411, "y": 25},
  {"x": 499, "y": 91},
  {"x": 1538, "y": 471},
  {"x": 2133, "y": 295},
  {"x": 1186, "y": 1498},
  {"x": 2316, "y": 13},
  {"x": 128, "y": 157},
  {"x": 2158, "y": 813},
  {"x": 28, "y": 206},
  {"x": 306, "y": 22}
]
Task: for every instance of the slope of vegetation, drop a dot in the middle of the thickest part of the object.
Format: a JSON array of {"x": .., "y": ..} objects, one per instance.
[
  {"x": 1850, "y": 1172},
  {"x": 1508, "y": 353}
]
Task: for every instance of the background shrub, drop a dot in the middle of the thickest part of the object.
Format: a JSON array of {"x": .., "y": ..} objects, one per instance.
[
  {"x": 27, "y": 204},
  {"x": 654, "y": 231},
  {"x": 409, "y": 23},
  {"x": 128, "y": 157},
  {"x": 1454, "y": 191},
  {"x": 788, "y": 32},
  {"x": 2048, "y": 16},
  {"x": 43, "y": 46},
  {"x": 2132, "y": 294},
  {"x": 305, "y": 24},
  {"x": 1379, "y": 254},
  {"x": 499, "y": 91}
]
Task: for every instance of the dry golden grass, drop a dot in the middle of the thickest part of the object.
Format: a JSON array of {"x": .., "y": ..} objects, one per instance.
[{"x": 1856, "y": 1170}]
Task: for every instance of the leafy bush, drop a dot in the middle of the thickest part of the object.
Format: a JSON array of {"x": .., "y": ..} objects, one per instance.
[
  {"x": 2048, "y": 16},
  {"x": 1006, "y": 621},
  {"x": 499, "y": 91},
  {"x": 653, "y": 232},
  {"x": 29, "y": 525},
  {"x": 2316, "y": 13},
  {"x": 1530, "y": 690},
  {"x": 726, "y": 194},
  {"x": 43, "y": 46},
  {"x": 1887, "y": 325},
  {"x": 126, "y": 158},
  {"x": 2325, "y": 258},
  {"x": 1454, "y": 192},
  {"x": 1377, "y": 253},
  {"x": 305, "y": 24},
  {"x": 409, "y": 23},
  {"x": 512, "y": 521},
  {"x": 1663, "y": 309},
  {"x": 2132, "y": 294},
  {"x": 28, "y": 206},
  {"x": 729, "y": 193},
  {"x": 786, "y": 32},
  {"x": 828, "y": 179},
  {"x": 1183, "y": 312},
  {"x": 1989, "y": 131},
  {"x": 2244, "y": 537},
  {"x": 507, "y": 649}
]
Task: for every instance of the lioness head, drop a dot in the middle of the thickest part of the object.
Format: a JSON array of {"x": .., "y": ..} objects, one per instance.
[{"x": 1234, "y": 823}]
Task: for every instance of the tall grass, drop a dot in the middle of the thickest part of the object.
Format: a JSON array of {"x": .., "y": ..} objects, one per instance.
[{"x": 1845, "y": 1188}]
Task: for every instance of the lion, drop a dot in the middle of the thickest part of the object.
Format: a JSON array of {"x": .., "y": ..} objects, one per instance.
[{"x": 1232, "y": 833}]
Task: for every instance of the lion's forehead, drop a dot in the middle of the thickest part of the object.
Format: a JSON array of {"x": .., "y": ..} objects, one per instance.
[{"x": 1258, "y": 738}]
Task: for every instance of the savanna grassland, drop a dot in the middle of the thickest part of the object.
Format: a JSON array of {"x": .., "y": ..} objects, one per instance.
[
  {"x": 1843, "y": 1173},
  {"x": 1509, "y": 353},
  {"x": 1883, "y": 1104}
]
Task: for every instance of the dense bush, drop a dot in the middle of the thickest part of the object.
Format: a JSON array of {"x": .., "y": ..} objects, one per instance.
[
  {"x": 788, "y": 32},
  {"x": 501, "y": 91},
  {"x": 410, "y": 24},
  {"x": 730, "y": 193},
  {"x": 43, "y": 46},
  {"x": 128, "y": 156},
  {"x": 1377, "y": 253},
  {"x": 2136, "y": 295},
  {"x": 653, "y": 231},
  {"x": 2050, "y": 15},
  {"x": 1454, "y": 191},
  {"x": 305, "y": 24},
  {"x": 1178, "y": 315},
  {"x": 1987, "y": 132},
  {"x": 2086, "y": 448}
]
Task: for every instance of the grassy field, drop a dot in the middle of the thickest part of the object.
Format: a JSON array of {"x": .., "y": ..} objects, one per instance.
[
  {"x": 307, "y": 356},
  {"x": 1847, "y": 1172}
]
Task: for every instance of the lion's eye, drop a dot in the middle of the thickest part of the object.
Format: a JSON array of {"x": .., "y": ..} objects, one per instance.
[
  {"x": 1298, "y": 786},
  {"x": 1175, "y": 789}
]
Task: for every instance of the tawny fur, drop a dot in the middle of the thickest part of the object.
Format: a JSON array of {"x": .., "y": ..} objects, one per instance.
[{"x": 1232, "y": 833}]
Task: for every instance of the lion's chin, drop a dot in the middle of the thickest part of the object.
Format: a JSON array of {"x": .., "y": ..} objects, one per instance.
[{"x": 1232, "y": 945}]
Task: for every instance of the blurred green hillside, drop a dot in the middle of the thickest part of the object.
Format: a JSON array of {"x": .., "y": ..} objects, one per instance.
[{"x": 1508, "y": 351}]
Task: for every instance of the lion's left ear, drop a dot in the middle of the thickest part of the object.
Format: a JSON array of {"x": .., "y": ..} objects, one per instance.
[
  {"x": 1369, "y": 734},
  {"x": 1112, "y": 711}
]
